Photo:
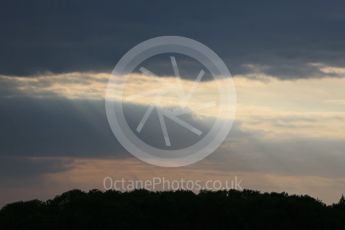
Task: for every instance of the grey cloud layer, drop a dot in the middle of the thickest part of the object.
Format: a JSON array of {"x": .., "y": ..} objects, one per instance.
[
  {"x": 279, "y": 37},
  {"x": 62, "y": 128},
  {"x": 55, "y": 127},
  {"x": 22, "y": 172}
]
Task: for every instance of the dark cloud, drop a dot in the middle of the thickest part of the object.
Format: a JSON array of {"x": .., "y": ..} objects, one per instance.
[
  {"x": 62, "y": 36},
  {"x": 55, "y": 127},
  {"x": 21, "y": 171}
]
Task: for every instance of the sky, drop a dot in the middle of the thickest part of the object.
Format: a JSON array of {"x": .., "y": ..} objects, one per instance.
[{"x": 287, "y": 64}]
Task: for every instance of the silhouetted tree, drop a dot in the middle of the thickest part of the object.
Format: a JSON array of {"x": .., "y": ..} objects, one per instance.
[{"x": 142, "y": 209}]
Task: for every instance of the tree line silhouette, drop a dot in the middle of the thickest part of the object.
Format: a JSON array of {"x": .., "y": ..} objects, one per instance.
[{"x": 142, "y": 209}]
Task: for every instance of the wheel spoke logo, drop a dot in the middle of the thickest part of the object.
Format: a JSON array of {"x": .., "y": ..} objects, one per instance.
[
  {"x": 172, "y": 115},
  {"x": 170, "y": 100}
]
